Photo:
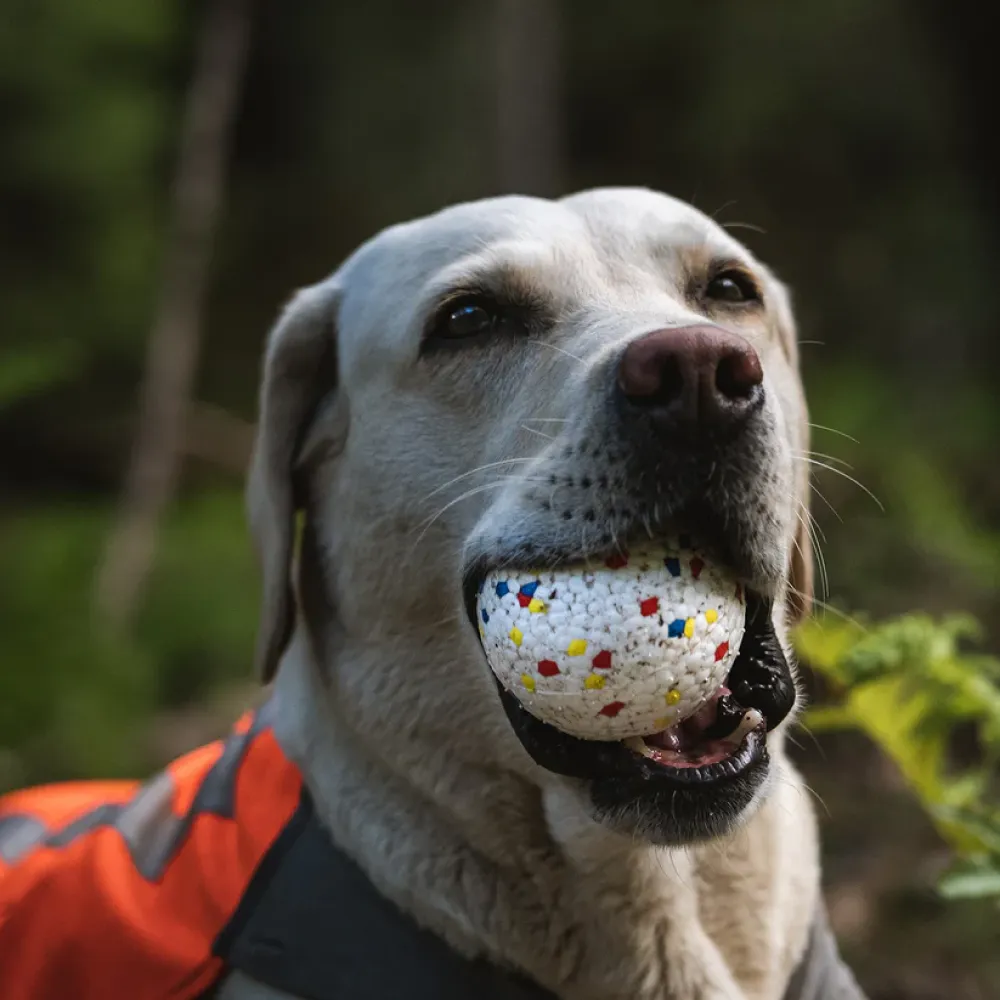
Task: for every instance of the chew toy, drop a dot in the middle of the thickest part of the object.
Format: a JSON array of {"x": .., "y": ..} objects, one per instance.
[{"x": 616, "y": 649}]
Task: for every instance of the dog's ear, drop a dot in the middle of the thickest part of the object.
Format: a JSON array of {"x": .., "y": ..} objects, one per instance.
[
  {"x": 299, "y": 373},
  {"x": 800, "y": 574},
  {"x": 800, "y": 570}
]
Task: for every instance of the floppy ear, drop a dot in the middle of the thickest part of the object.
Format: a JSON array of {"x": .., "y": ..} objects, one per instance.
[
  {"x": 800, "y": 570},
  {"x": 800, "y": 573},
  {"x": 299, "y": 370}
]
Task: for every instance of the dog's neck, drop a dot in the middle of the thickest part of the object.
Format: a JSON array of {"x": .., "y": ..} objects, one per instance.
[{"x": 505, "y": 862}]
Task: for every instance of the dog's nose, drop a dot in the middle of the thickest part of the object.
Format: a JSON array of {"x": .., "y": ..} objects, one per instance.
[{"x": 692, "y": 374}]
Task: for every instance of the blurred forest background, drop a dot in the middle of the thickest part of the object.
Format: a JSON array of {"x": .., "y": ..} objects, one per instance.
[{"x": 855, "y": 140}]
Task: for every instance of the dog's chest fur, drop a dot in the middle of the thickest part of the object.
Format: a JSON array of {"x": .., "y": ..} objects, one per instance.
[{"x": 586, "y": 913}]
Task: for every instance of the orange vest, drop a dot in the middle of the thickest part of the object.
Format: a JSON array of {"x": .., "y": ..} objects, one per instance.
[
  {"x": 112, "y": 889},
  {"x": 122, "y": 891}
]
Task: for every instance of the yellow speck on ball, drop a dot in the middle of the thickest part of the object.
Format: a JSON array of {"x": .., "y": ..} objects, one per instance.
[
  {"x": 536, "y": 607},
  {"x": 482, "y": 632},
  {"x": 594, "y": 681},
  {"x": 577, "y": 647},
  {"x": 661, "y": 723},
  {"x": 711, "y": 616},
  {"x": 672, "y": 696},
  {"x": 689, "y": 628},
  {"x": 516, "y": 637},
  {"x": 528, "y": 681}
]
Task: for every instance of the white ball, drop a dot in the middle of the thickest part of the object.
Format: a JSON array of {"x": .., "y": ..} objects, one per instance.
[{"x": 619, "y": 649}]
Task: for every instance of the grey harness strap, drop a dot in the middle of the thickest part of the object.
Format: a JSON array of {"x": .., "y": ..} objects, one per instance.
[
  {"x": 312, "y": 925},
  {"x": 822, "y": 974}
]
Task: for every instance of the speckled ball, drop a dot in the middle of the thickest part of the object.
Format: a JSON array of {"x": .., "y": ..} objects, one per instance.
[{"x": 613, "y": 650}]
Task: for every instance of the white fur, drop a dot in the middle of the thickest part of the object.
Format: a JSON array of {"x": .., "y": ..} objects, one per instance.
[{"x": 384, "y": 697}]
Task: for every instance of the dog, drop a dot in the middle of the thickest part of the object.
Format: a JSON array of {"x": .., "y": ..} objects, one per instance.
[{"x": 515, "y": 382}]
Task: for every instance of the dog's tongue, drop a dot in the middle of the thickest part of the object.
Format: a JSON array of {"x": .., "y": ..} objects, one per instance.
[{"x": 711, "y": 735}]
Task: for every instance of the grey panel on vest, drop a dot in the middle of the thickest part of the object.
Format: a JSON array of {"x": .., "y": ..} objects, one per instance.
[
  {"x": 147, "y": 823},
  {"x": 18, "y": 835},
  {"x": 150, "y": 827},
  {"x": 103, "y": 815}
]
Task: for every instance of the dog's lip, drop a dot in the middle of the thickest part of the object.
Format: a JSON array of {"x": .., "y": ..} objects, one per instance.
[
  {"x": 596, "y": 760},
  {"x": 709, "y": 737},
  {"x": 738, "y": 757},
  {"x": 706, "y": 759}
]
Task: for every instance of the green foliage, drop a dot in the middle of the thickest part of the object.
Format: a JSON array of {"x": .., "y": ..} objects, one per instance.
[
  {"x": 86, "y": 120},
  {"x": 910, "y": 684},
  {"x": 201, "y": 612},
  {"x": 849, "y": 132},
  {"x": 76, "y": 700},
  {"x": 25, "y": 371},
  {"x": 70, "y": 694}
]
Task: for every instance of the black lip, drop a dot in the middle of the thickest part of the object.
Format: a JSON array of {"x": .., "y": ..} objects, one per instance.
[
  {"x": 611, "y": 760},
  {"x": 760, "y": 678}
]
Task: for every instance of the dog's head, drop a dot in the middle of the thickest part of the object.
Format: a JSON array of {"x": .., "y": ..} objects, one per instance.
[{"x": 515, "y": 382}]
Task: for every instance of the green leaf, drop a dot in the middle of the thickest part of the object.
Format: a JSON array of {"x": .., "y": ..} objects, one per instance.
[
  {"x": 971, "y": 884},
  {"x": 24, "y": 371},
  {"x": 826, "y": 718},
  {"x": 906, "y": 684}
]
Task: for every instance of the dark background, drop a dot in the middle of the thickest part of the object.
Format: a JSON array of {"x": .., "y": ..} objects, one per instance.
[{"x": 855, "y": 142}]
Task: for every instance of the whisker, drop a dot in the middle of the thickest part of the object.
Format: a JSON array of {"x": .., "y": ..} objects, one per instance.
[
  {"x": 531, "y": 430},
  {"x": 824, "y": 572},
  {"x": 808, "y": 522},
  {"x": 428, "y": 522},
  {"x": 850, "y": 479},
  {"x": 819, "y": 798},
  {"x": 803, "y": 507},
  {"x": 472, "y": 472},
  {"x": 823, "y": 454},
  {"x": 722, "y": 208},
  {"x": 559, "y": 350},
  {"x": 833, "y": 430},
  {"x": 829, "y": 609},
  {"x": 817, "y": 743},
  {"x": 744, "y": 225},
  {"x": 833, "y": 509}
]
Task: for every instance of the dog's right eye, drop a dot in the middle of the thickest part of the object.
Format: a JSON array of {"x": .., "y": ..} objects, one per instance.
[{"x": 474, "y": 318}]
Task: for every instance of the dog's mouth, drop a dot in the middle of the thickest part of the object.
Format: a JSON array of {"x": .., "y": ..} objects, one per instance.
[
  {"x": 725, "y": 738},
  {"x": 710, "y": 739}
]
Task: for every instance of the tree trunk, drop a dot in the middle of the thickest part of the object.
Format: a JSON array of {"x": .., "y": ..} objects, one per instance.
[
  {"x": 528, "y": 68},
  {"x": 173, "y": 348}
]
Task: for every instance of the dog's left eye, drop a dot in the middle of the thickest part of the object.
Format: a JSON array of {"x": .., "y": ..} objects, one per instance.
[{"x": 733, "y": 286}]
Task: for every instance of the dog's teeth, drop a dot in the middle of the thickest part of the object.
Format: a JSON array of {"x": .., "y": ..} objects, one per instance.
[
  {"x": 750, "y": 721},
  {"x": 638, "y": 745}
]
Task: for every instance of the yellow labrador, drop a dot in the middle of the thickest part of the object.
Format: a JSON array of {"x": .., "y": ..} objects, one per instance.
[{"x": 508, "y": 381}]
